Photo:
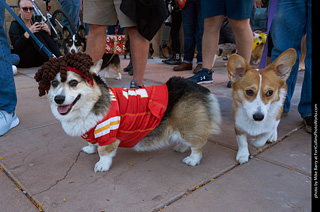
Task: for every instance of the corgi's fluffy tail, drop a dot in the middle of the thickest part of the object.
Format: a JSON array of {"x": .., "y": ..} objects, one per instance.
[{"x": 215, "y": 115}]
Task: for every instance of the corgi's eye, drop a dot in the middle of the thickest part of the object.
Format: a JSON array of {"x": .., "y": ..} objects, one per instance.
[
  {"x": 54, "y": 83},
  {"x": 249, "y": 92},
  {"x": 269, "y": 93},
  {"x": 73, "y": 83}
]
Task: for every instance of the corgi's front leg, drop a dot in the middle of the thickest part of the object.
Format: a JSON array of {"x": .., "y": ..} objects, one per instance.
[
  {"x": 243, "y": 151},
  {"x": 106, "y": 154}
]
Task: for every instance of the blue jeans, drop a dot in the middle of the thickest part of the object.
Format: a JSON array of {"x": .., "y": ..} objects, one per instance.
[
  {"x": 72, "y": 8},
  {"x": 8, "y": 97},
  {"x": 15, "y": 59},
  {"x": 291, "y": 21},
  {"x": 193, "y": 29}
]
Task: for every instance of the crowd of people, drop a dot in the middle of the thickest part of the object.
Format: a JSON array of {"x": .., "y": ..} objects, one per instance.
[{"x": 201, "y": 21}]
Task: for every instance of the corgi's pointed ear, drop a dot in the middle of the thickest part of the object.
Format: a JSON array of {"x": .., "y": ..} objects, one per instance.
[
  {"x": 81, "y": 31},
  {"x": 283, "y": 64},
  {"x": 96, "y": 68},
  {"x": 237, "y": 66},
  {"x": 65, "y": 33}
]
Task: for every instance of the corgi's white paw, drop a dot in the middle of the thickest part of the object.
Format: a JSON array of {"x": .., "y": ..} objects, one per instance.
[
  {"x": 119, "y": 76},
  {"x": 273, "y": 137},
  {"x": 242, "y": 156},
  {"x": 103, "y": 164},
  {"x": 193, "y": 159},
  {"x": 90, "y": 149}
]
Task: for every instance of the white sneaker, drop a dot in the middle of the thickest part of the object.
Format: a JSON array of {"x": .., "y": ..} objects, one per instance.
[
  {"x": 14, "y": 69},
  {"x": 7, "y": 121}
]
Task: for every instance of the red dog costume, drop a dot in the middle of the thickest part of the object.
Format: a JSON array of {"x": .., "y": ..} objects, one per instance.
[{"x": 133, "y": 114}]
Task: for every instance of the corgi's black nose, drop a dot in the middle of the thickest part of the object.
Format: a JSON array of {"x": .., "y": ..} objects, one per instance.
[
  {"x": 258, "y": 116},
  {"x": 59, "y": 99}
]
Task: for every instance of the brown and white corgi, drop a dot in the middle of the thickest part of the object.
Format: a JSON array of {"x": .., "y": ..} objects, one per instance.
[
  {"x": 149, "y": 118},
  {"x": 258, "y": 97},
  {"x": 77, "y": 43}
]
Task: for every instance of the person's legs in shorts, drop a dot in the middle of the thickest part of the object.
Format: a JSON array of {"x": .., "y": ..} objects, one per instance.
[
  {"x": 98, "y": 14},
  {"x": 238, "y": 13}
]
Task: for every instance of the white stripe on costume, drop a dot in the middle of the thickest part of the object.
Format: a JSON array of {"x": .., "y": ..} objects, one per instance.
[{"x": 105, "y": 127}]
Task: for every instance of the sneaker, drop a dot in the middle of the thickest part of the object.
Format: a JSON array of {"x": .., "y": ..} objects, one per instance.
[
  {"x": 14, "y": 69},
  {"x": 7, "y": 121},
  {"x": 308, "y": 122},
  {"x": 203, "y": 76},
  {"x": 134, "y": 84},
  {"x": 173, "y": 60}
]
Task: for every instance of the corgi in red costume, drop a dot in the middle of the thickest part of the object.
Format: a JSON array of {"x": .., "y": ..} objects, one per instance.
[{"x": 149, "y": 118}]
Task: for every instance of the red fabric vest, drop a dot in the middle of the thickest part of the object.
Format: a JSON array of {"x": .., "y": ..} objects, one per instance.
[{"x": 133, "y": 114}]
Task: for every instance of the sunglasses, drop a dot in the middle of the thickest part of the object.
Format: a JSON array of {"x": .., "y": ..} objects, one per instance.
[{"x": 26, "y": 9}]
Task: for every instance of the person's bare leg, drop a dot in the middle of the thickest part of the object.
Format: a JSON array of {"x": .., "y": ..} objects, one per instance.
[
  {"x": 96, "y": 42},
  {"x": 210, "y": 39},
  {"x": 139, "y": 47},
  {"x": 244, "y": 37}
]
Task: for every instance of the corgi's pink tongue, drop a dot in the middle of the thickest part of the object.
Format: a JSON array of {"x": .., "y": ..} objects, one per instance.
[{"x": 64, "y": 109}]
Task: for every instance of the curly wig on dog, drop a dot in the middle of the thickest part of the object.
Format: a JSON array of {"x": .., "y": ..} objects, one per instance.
[{"x": 48, "y": 71}]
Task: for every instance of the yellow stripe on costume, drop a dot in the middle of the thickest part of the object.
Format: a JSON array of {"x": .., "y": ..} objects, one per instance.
[
  {"x": 134, "y": 131},
  {"x": 105, "y": 127}
]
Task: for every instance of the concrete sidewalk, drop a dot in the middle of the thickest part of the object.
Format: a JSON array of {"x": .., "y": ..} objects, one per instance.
[{"x": 43, "y": 168}]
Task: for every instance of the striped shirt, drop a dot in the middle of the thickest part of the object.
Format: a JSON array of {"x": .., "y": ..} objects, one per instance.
[{"x": 133, "y": 114}]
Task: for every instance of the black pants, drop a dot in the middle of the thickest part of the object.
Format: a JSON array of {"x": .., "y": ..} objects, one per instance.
[
  {"x": 32, "y": 56},
  {"x": 175, "y": 30}
]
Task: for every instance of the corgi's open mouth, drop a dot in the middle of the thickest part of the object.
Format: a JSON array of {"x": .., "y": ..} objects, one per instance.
[{"x": 65, "y": 109}]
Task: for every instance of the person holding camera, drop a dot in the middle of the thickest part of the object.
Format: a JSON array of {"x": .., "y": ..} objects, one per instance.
[{"x": 27, "y": 49}]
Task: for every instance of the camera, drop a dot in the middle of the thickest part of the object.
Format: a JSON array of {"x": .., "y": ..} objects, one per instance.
[{"x": 37, "y": 18}]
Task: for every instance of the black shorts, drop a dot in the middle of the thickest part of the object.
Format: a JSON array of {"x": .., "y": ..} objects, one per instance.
[{"x": 234, "y": 9}]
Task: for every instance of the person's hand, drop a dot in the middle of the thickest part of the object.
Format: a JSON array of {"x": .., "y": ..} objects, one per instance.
[
  {"x": 36, "y": 27},
  {"x": 257, "y": 4},
  {"x": 45, "y": 27}
]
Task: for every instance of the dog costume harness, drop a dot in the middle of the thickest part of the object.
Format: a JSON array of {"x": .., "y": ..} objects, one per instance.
[{"x": 133, "y": 114}]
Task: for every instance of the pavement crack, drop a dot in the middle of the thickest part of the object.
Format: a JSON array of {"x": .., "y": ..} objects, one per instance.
[{"x": 63, "y": 178}]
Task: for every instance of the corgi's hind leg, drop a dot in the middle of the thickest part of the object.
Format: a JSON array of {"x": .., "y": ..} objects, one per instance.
[
  {"x": 195, "y": 138},
  {"x": 116, "y": 67},
  {"x": 196, "y": 151},
  {"x": 181, "y": 147},
  {"x": 194, "y": 158}
]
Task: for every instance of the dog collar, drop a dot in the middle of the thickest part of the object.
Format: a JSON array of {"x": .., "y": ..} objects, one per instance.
[{"x": 73, "y": 69}]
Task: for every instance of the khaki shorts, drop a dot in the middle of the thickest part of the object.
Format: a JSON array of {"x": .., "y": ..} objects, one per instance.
[{"x": 105, "y": 12}]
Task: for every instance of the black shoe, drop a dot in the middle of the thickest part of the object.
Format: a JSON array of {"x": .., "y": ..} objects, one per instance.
[
  {"x": 129, "y": 67},
  {"x": 308, "y": 122},
  {"x": 134, "y": 84},
  {"x": 229, "y": 84}
]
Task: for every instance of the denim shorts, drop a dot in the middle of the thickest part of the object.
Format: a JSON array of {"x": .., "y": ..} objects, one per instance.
[{"x": 234, "y": 9}]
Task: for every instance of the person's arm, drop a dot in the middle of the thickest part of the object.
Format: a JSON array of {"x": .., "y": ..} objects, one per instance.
[{"x": 19, "y": 37}]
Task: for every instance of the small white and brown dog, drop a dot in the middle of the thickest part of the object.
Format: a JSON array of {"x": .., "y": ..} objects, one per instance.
[
  {"x": 149, "y": 118},
  {"x": 258, "y": 97}
]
